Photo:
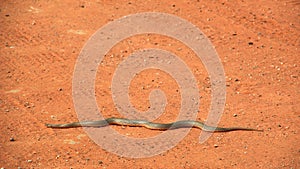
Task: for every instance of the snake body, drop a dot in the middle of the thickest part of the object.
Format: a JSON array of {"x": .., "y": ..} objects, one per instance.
[{"x": 149, "y": 125}]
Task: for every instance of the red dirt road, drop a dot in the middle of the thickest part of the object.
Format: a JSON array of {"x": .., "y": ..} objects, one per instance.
[{"x": 257, "y": 42}]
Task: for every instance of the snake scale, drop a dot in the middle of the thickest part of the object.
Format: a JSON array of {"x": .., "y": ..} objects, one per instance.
[{"x": 149, "y": 125}]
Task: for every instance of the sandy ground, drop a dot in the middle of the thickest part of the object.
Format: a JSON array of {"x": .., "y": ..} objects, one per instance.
[{"x": 257, "y": 42}]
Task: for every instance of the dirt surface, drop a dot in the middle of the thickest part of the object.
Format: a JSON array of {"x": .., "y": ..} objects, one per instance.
[{"x": 257, "y": 42}]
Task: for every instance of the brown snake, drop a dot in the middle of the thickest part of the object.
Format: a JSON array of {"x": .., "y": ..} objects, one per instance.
[{"x": 149, "y": 125}]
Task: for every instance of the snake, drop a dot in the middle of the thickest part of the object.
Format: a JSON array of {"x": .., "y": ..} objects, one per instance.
[{"x": 149, "y": 125}]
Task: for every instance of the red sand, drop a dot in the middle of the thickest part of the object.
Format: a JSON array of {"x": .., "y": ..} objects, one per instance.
[{"x": 41, "y": 40}]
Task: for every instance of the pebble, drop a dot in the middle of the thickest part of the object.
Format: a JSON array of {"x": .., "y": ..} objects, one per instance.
[
  {"x": 12, "y": 139},
  {"x": 26, "y": 104},
  {"x": 215, "y": 145}
]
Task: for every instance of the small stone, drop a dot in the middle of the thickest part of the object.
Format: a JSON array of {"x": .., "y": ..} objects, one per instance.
[
  {"x": 234, "y": 115},
  {"x": 100, "y": 162},
  {"x": 26, "y": 104},
  {"x": 29, "y": 161},
  {"x": 12, "y": 139},
  {"x": 250, "y": 43},
  {"x": 215, "y": 145}
]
